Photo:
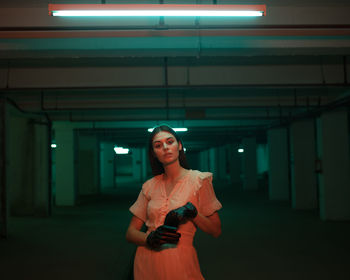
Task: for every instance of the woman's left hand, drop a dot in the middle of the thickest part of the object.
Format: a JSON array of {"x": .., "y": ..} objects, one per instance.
[{"x": 181, "y": 215}]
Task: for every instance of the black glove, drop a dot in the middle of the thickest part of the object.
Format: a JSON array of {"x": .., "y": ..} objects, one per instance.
[
  {"x": 180, "y": 215},
  {"x": 162, "y": 235}
]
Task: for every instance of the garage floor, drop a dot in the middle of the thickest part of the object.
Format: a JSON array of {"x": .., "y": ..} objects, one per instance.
[{"x": 261, "y": 240}]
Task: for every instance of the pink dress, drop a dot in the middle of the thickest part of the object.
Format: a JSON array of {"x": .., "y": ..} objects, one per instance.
[{"x": 173, "y": 261}]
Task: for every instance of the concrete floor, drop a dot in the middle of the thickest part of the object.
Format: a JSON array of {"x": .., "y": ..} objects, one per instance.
[{"x": 261, "y": 240}]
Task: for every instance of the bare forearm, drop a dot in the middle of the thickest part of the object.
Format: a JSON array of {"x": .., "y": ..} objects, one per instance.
[
  {"x": 137, "y": 237},
  {"x": 210, "y": 225}
]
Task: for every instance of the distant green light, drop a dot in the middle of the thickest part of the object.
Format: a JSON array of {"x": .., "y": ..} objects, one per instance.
[
  {"x": 241, "y": 150},
  {"x": 53, "y": 146}
]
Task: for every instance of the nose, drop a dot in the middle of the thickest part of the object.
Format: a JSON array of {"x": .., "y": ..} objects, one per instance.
[{"x": 165, "y": 146}]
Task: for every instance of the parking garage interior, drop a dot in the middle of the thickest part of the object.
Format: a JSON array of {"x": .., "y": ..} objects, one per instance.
[{"x": 266, "y": 105}]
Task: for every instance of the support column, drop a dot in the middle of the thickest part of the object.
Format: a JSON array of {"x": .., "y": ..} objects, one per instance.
[
  {"x": 3, "y": 193},
  {"x": 65, "y": 187},
  {"x": 221, "y": 163},
  {"x": 204, "y": 161},
  {"x": 41, "y": 181},
  {"x": 87, "y": 165},
  {"x": 334, "y": 181},
  {"x": 303, "y": 154},
  {"x": 235, "y": 164},
  {"x": 278, "y": 164},
  {"x": 144, "y": 164},
  {"x": 106, "y": 165},
  {"x": 250, "y": 173},
  {"x": 212, "y": 161},
  {"x": 136, "y": 164}
]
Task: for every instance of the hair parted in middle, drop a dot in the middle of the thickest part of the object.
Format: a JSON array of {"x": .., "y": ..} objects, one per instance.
[{"x": 156, "y": 165}]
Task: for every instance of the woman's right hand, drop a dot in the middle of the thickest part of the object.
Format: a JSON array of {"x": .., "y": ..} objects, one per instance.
[{"x": 162, "y": 235}]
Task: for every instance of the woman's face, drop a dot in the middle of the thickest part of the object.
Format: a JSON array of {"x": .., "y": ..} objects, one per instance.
[{"x": 166, "y": 148}]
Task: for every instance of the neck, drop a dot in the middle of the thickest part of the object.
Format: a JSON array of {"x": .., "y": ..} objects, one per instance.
[{"x": 173, "y": 171}]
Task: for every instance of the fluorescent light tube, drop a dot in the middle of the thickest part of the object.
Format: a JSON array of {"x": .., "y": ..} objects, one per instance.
[
  {"x": 177, "y": 129},
  {"x": 121, "y": 151},
  {"x": 155, "y": 10},
  {"x": 155, "y": 13}
]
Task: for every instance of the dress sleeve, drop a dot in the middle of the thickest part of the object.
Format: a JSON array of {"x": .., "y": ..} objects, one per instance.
[
  {"x": 139, "y": 208},
  {"x": 208, "y": 203}
]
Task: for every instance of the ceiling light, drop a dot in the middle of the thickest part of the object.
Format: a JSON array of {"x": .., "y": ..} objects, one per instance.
[
  {"x": 121, "y": 151},
  {"x": 177, "y": 129},
  {"x": 145, "y": 10}
]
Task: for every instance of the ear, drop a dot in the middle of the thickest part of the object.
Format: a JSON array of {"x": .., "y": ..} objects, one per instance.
[{"x": 180, "y": 146}]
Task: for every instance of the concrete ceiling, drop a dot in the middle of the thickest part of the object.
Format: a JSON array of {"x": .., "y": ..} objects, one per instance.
[{"x": 226, "y": 78}]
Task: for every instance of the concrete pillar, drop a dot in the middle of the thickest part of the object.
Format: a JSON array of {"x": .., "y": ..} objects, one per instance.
[
  {"x": 27, "y": 169},
  {"x": 250, "y": 174},
  {"x": 213, "y": 161},
  {"x": 144, "y": 164},
  {"x": 278, "y": 164},
  {"x": 333, "y": 150},
  {"x": 107, "y": 155},
  {"x": 235, "y": 164},
  {"x": 20, "y": 168},
  {"x": 65, "y": 184},
  {"x": 221, "y": 153},
  {"x": 137, "y": 164},
  {"x": 303, "y": 155},
  {"x": 87, "y": 167},
  {"x": 3, "y": 189},
  {"x": 42, "y": 165},
  {"x": 204, "y": 161}
]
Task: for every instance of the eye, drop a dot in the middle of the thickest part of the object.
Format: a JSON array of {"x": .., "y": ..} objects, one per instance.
[
  {"x": 170, "y": 141},
  {"x": 156, "y": 146}
]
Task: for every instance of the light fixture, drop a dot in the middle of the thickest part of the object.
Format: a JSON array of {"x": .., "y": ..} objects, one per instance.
[
  {"x": 177, "y": 129},
  {"x": 53, "y": 146},
  {"x": 121, "y": 150},
  {"x": 240, "y": 150},
  {"x": 146, "y": 10}
]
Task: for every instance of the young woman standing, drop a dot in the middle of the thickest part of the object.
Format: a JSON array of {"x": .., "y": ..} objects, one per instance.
[{"x": 172, "y": 204}]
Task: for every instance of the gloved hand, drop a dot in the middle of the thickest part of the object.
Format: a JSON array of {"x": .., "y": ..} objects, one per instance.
[
  {"x": 162, "y": 235},
  {"x": 181, "y": 215}
]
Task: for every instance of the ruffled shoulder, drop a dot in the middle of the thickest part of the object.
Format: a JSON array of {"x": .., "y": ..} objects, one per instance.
[
  {"x": 205, "y": 176},
  {"x": 207, "y": 201},
  {"x": 200, "y": 178}
]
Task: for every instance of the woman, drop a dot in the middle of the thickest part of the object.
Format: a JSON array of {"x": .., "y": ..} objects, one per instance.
[{"x": 172, "y": 204}]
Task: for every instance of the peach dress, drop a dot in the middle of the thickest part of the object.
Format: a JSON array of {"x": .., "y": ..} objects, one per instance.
[{"x": 152, "y": 205}]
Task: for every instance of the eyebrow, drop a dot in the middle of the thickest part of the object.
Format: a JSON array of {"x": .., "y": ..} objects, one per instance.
[{"x": 171, "y": 137}]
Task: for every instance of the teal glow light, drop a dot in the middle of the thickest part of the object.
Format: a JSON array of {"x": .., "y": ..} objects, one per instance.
[
  {"x": 53, "y": 146},
  {"x": 241, "y": 150},
  {"x": 156, "y": 13},
  {"x": 177, "y": 129}
]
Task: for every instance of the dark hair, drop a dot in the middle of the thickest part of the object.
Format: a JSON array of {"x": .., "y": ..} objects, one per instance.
[{"x": 156, "y": 165}]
